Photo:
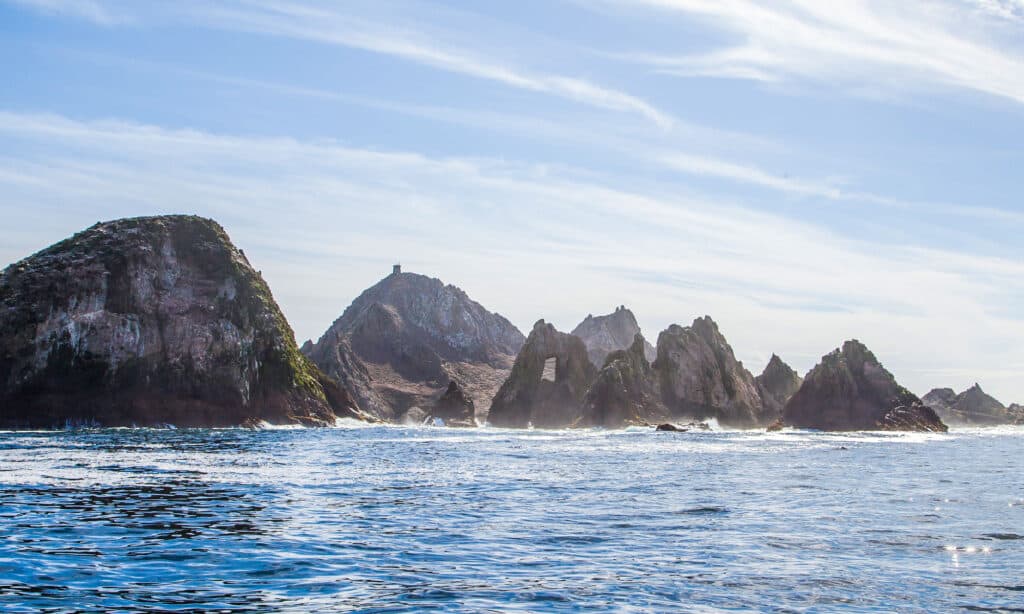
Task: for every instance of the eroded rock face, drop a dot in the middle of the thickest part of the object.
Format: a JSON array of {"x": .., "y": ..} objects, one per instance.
[
  {"x": 403, "y": 340},
  {"x": 777, "y": 384},
  {"x": 527, "y": 398},
  {"x": 699, "y": 376},
  {"x": 605, "y": 334},
  {"x": 147, "y": 321},
  {"x": 971, "y": 407},
  {"x": 455, "y": 407},
  {"x": 624, "y": 392},
  {"x": 1016, "y": 412},
  {"x": 849, "y": 390},
  {"x": 339, "y": 362}
]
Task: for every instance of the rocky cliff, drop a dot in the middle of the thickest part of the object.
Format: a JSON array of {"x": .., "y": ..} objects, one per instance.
[
  {"x": 147, "y": 321},
  {"x": 777, "y": 384},
  {"x": 528, "y": 397},
  {"x": 605, "y": 334},
  {"x": 401, "y": 342},
  {"x": 850, "y": 390},
  {"x": 972, "y": 406},
  {"x": 699, "y": 376},
  {"x": 624, "y": 391}
]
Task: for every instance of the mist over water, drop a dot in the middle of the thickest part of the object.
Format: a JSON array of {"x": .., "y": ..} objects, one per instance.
[{"x": 395, "y": 518}]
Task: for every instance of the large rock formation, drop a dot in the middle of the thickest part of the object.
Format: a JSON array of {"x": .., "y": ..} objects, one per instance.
[
  {"x": 527, "y": 397},
  {"x": 777, "y": 384},
  {"x": 699, "y": 376},
  {"x": 1016, "y": 412},
  {"x": 624, "y": 392},
  {"x": 605, "y": 334},
  {"x": 849, "y": 390},
  {"x": 972, "y": 406},
  {"x": 147, "y": 321},
  {"x": 403, "y": 340}
]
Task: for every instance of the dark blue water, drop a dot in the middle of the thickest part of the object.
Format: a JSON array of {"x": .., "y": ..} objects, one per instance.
[{"x": 399, "y": 519}]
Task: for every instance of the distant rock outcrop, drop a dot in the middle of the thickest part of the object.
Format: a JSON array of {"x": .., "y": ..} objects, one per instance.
[
  {"x": 605, "y": 334},
  {"x": 401, "y": 342},
  {"x": 699, "y": 376},
  {"x": 1016, "y": 412},
  {"x": 971, "y": 407},
  {"x": 150, "y": 321},
  {"x": 777, "y": 384},
  {"x": 849, "y": 390},
  {"x": 455, "y": 407},
  {"x": 624, "y": 392},
  {"x": 527, "y": 397}
]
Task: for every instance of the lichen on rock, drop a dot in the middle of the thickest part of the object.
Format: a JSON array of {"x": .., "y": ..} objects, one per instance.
[{"x": 147, "y": 321}]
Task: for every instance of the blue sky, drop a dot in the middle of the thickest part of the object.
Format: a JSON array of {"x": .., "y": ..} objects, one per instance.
[{"x": 805, "y": 172}]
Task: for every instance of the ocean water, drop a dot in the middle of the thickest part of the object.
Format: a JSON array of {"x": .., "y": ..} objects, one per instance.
[{"x": 418, "y": 519}]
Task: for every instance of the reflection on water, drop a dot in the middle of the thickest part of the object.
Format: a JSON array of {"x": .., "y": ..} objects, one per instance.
[{"x": 421, "y": 518}]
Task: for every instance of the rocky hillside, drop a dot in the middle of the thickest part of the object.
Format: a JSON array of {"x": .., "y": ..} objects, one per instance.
[
  {"x": 402, "y": 341},
  {"x": 148, "y": 321},
  {"x": 850, "y": 390},
  {"x": 972, "y": 406},
  {"x": 529, "y": 398},
  {"x": 699, "y": 376},
  {"x": 605, "y": 334},
  {"x": 777, "y": 384}
]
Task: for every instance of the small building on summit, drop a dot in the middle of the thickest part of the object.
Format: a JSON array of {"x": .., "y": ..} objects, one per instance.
[{"x": 396, "y": 269}]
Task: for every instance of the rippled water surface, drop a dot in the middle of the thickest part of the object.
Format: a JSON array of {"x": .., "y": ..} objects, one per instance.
[{"x": 391, "y": 519}]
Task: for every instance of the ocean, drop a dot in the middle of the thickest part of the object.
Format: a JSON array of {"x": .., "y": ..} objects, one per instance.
[{"x": 394, "y": 519}]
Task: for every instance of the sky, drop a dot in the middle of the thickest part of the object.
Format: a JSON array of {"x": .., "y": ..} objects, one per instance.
[{"x": 805, "y": 172}]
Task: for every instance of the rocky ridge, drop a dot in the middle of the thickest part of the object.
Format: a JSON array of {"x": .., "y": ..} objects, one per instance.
[{"x": 971, "y": 407}]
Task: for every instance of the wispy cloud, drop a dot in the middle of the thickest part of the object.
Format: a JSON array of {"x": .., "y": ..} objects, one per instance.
[
  {"x": 854, "y": 42},
  {"x": 91, "y": 10},
  {"x": 333, "y": 24}
]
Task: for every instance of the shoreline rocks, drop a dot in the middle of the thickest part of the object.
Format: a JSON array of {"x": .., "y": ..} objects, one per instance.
[
  {"x": 528, "y": 398},
  {"x": 850, "y": 390},
  {"x": 971, "y": 407}
]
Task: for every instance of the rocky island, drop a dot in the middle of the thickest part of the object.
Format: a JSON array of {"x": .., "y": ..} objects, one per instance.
[
  {"x": 850, "y": 390},
  {"x": 972, "y": 407},
  {"x": 150, "y": 321}
]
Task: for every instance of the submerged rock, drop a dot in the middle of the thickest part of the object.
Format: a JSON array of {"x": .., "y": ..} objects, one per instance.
[
  {"x": 669, "y": 427},
  {"x": 972, "y": 406},
  {"x": 777, "y": 384},
  {"x": 527, "y": 397},
  {"x": 624, "y": 392},
  {"x": 850, "y": 390},
  {"x": 150, "y": 321},
  {"x": 699, "y": 376},
  {"x": 401, "y": 342},
  {"x": 605, "y": 334}
]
